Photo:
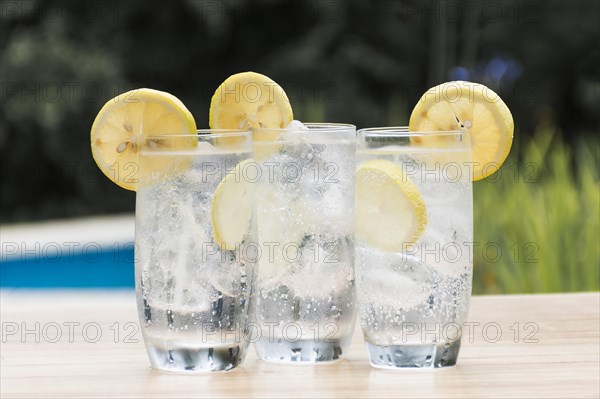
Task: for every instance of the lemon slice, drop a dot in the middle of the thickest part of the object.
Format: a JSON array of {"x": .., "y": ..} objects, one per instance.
[
  {"x": 390, "y": 212},
  {"x": 121, "y": 129},
  {"x": 233, "y": 206},
  {"x": 249, "y": 100},
  {"x": 460, "y": 104}
]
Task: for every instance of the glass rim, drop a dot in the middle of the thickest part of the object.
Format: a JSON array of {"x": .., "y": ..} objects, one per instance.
[
  {"x": 321, "y": 127},
  {"x": 403, "y": 131},
  {"x": 202, "y": 133}
]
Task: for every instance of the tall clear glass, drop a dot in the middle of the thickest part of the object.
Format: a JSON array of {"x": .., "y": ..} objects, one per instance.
[
  {"x": 305, "y": 304},
  {"x": 413, "y": 296},
  {"x": 193, "y": 292}
]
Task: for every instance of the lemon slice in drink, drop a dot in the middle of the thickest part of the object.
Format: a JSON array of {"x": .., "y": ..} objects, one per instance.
[
  {"x": 121, "y": 129},
  {"x": 232, "y": 205},
  {"x": 460, "y": 104},
  {"x": 390, "y": 212}
]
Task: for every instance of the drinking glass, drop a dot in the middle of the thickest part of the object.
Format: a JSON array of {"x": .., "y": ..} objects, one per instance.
[
  {"x": 193, "y": 292},
  {"x": 413, "y": 298},
  {"x": 305, "y": 304}
]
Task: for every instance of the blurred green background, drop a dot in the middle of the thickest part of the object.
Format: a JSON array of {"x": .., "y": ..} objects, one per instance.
[{"x": 537, "y": 221}]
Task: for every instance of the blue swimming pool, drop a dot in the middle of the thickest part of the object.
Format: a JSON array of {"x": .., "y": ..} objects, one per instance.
[
  {"x": 89, "y": 252},
  {"x": 107, "y": 267}
]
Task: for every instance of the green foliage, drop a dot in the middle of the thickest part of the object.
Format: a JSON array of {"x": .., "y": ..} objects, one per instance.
[{"x": 537, "y": 220}]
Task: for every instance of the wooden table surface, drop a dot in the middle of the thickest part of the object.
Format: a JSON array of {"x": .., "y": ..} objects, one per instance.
[{"x": 89, "y": 345}]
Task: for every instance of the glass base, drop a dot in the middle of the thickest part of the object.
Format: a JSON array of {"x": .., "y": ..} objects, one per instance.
[
  {"x": 414, "y": 356},
  {"x": 196, "y": 360},
  {"x": 302, "y": 351}
]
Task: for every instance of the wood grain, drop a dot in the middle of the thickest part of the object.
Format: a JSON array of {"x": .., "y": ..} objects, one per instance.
[{"x": 556, "y": 355}]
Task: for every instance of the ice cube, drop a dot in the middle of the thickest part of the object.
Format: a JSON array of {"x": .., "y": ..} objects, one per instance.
[
  {"x": 445, "y": 242},
  {"x": 398, "y": 281},
  {"x": 271, "y": 271},
  {"x": 225, "y": 276},
  {"x": 396, "y": 290},
  {"x": 296, "y": 125},
  {"x": 336, "y": 207},
  {"x": 315, "y": 285},
  {"x": 291, "y": 131},
  {"x": 204, "y": 146}
]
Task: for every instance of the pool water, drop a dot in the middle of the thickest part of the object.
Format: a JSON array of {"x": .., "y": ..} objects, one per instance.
[{"x": 108, "y": 267}]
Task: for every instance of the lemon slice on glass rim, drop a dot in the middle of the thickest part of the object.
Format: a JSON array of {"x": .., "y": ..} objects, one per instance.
[
  {"x": 466, "y": 105},
  {"x": 249, "y": 100},
  {"x": 390, "y": 211},
  {"x": 122, "y": 129}
]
